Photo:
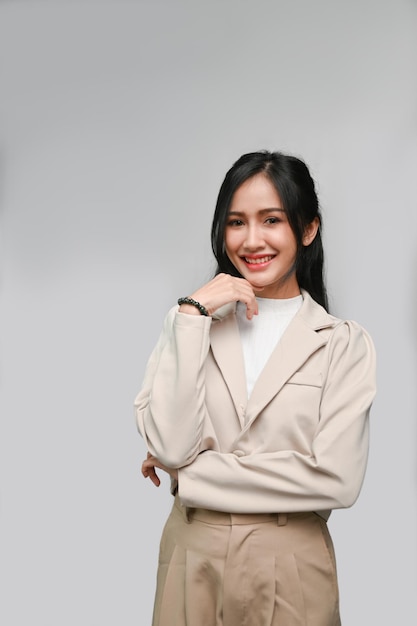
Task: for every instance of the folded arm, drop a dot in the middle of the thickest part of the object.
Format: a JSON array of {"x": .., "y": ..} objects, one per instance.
[{"x": 329, "y": 476}]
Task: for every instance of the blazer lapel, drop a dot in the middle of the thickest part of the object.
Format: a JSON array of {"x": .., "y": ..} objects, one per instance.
[
  {"x": 298, "y": 343},
  {"x": 227, "y": 352}
]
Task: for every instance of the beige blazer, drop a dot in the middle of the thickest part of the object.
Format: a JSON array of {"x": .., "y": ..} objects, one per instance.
[{"x": 298, "y": 443}]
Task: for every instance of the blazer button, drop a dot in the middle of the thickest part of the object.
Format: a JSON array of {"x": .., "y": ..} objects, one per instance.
[{"x": 238, "y": 452}]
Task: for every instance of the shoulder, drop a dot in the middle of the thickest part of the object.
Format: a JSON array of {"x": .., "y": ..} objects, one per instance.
[{"x": 350, "y": 336}]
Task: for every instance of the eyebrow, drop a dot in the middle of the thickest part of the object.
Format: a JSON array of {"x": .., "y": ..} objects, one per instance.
[{"x": 261, "y": 211}]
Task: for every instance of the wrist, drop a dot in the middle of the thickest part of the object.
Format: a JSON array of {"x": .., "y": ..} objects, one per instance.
[
  {"x": 189, "y": 305},
  {"x": 189, "y": 309}
]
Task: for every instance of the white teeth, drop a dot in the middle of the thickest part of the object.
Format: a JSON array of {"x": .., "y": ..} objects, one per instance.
[{"x": 263, "y": 259}]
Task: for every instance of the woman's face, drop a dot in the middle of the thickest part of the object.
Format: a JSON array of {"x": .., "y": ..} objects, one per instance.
[{"x": 259, "y": 240}]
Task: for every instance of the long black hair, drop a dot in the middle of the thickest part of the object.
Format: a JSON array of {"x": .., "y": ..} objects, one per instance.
[{"x": 295, "y": 186}]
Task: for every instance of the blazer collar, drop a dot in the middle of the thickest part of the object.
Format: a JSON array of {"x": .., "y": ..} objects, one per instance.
[{"x": 299, "y": 341}]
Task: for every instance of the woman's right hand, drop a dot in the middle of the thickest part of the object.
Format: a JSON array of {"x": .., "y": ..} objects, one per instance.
[
  {"x": 222, "y": 290},
  {"x": 148, "y": 469}
]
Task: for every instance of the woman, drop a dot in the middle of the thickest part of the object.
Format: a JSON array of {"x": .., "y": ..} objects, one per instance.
[{"x": 256, "y": 402}]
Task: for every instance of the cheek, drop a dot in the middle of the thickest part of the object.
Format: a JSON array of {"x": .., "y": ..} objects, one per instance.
[
  {"x": 231, "y": 242},
  {"x": 287, "y": 241}
]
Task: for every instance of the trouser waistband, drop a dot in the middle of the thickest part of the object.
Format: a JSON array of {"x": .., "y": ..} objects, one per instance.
[{"x": 230, "y": 519}]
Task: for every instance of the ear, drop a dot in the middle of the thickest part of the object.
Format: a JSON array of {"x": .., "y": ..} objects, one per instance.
[{"x": 310, "y": 231}]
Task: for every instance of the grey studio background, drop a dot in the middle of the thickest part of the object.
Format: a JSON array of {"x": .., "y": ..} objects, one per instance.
[{"x": 119, "y": 121}]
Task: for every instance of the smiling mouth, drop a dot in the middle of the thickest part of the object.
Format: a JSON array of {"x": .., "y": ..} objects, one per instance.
[{"x": 258, "y": 260}]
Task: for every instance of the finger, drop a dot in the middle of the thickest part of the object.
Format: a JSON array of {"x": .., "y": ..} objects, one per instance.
[
  {"x": 148, "y": 471},
  {"x": 251, "y": 308},
  {"x": 247, "y": 296},
  {"x": 154, "y": 477},
  {"x": 147, "y": 466}
]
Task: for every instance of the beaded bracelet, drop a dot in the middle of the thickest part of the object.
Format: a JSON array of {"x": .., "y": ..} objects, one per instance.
[{"x": 199, "y": 306}]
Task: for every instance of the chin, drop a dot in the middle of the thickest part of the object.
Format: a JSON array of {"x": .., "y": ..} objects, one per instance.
[{"x": 258, "y": 287}]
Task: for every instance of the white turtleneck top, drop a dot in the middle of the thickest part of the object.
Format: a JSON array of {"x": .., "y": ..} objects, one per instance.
[{"x": 261, "y": 334}]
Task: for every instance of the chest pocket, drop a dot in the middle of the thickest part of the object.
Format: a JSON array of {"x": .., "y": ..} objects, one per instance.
[
  {"x": 300, "y": 400},
  {"x": 305, "y": 378}
]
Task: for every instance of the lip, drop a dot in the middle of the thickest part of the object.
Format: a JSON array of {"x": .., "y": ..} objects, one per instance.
[{"x": 256, "y": 262}]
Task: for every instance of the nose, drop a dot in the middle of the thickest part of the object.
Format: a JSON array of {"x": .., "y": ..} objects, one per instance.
[{"x": 253, "y": 239}]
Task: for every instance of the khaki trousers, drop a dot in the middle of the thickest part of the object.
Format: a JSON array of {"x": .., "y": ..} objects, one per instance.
[{"x": 220, "y": 569}]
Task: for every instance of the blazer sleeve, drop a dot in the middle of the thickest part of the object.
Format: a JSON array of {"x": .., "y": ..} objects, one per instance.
[
  {"x": 330, "y": 476},
  {"x": 171, "y": 419}
]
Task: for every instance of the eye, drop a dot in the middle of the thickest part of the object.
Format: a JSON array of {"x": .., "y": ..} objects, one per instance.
[
  {"x": 273, "y": 220},
  {"x": 234, "y": 222}
]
